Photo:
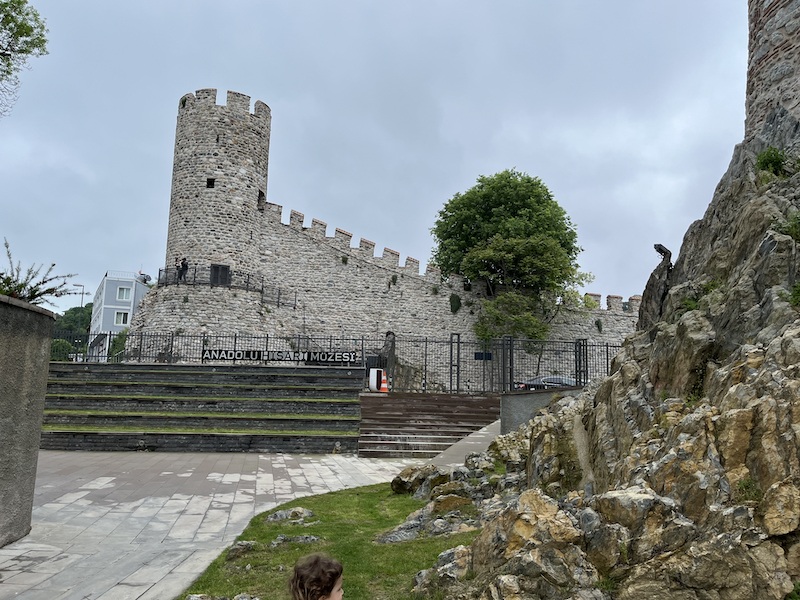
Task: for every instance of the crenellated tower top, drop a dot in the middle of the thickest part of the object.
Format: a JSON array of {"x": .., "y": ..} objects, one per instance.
[
  {"x": 773, "y": 70},
  {"x": 219, "y": 179}
]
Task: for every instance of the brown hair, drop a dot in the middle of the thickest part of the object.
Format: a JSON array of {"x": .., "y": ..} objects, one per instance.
[{"x": 314, "y": 577}]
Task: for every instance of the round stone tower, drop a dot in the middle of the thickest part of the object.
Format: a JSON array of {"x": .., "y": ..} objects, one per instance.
[
  {"x": 773, "y": 70},
  {"x": 219, "y": 181}
]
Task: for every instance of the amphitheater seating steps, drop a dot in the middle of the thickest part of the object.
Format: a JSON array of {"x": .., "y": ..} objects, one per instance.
[{"x": 202, "y": 408}]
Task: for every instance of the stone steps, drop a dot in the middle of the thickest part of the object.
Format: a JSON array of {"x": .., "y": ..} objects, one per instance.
[
  {"x": 398, "y": 425},
  {"x": 218, "y": 422},
  {"x": 104, "y": 388},
  {"x": 310, "y": 406},
  {"x": 113, "y": 441},
  {"x": 318, "y": 407},
  {"x": 201, "y": 375}
]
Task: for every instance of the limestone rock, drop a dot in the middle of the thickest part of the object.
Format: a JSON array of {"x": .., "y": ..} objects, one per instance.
[
  {"x": 608, "y": 546},
  {"x": 779, "y": 510},
  {"x": 448, "y": 502},
  {"x": 240, "y": 548},
  {"x": 296, "y": 513},
  {"x": 410, "y": 478},
  {"x": 533, "y": 518}
]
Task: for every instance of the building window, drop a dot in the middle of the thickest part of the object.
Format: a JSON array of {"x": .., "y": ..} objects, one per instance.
[
  {"x": 262, "y": 200},
  {"x": 123, "y": 293},
  {"x": 210, "y": 182},
  {"x": 220, "y": 275},
  {"x": 120, "y": 318}
]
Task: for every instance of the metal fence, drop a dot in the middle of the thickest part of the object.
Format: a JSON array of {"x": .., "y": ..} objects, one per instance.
[
  {"x": 224, "y": 276},
  {"x": 411, "y": 364}
]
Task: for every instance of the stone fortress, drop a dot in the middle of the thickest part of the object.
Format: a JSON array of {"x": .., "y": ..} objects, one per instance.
[{"x": 221, "y": 221}]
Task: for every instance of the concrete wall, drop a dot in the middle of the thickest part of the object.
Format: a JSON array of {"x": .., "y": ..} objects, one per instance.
[
  {"x": 517, "y": 408},
  {"x": 25, "y": 335}
]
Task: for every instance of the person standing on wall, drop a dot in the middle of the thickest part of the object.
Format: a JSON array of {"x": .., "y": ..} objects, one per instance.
[{"x": 184, "y": 267}]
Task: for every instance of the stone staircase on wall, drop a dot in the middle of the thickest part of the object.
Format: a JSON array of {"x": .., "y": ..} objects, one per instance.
[
  {"x": 402, "y": 425},
  {"x": 201, "y": 408}
]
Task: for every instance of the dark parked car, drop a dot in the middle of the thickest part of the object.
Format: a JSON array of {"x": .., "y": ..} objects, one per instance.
[{"x": 545, "y": 382}]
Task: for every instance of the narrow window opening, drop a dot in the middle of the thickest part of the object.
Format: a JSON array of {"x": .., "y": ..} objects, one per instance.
[
  {"x": 210, "y": 182},
  {"x": 218, "y": 138},
  {"x": 262, "y": 200}
]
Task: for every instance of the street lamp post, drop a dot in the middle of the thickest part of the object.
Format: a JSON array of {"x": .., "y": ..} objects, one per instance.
[{"x": 80, "y": 314}]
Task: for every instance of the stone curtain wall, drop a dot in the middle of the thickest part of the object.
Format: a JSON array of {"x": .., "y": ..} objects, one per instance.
[
  {"x": 773, "y": 71},
  {"x": 342, "y": 291},
  {"x": 230, "y": 146}
]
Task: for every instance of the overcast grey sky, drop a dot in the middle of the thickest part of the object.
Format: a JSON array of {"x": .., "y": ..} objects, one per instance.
[{"x": 627, "y": 109}]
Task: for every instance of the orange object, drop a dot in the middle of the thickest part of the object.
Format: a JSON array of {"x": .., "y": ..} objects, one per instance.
[{"x": 384, "y": 386}]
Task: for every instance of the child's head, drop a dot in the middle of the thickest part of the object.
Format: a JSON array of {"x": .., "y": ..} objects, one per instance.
[{"x": 316, "y": 577}]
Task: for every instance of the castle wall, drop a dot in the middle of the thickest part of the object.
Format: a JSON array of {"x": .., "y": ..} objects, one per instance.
[
  {"x": 773, "y": 71},
  {"x": 341, "y": 290},
  {"x": 608, "y": 325}
]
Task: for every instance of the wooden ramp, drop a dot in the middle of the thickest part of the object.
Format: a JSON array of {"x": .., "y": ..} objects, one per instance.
[{"x": 406, "y": 425}]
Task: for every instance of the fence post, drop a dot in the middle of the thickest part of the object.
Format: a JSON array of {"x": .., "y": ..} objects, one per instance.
[
  {"x": 581, "y": 361},
  {"x": 425, "y": 369},
  {"x": 455, "y": 361},
  {"x": 391, "y": 360}
]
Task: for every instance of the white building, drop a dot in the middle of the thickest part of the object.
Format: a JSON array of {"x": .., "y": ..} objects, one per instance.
[{"x": 115, "y": 302}]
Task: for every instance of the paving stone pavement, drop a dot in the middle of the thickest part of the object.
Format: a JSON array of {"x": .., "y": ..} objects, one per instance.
[
  {"x": 144, "y": 526},
  {"x": 133, "y": 525}
]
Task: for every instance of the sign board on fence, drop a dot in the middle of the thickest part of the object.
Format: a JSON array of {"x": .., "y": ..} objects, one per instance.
[{"x": 282, "y": 355}]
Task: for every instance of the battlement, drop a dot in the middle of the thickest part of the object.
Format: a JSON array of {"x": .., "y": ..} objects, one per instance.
[
  {"x": 615, "y": 303},
  {"x": 236, "y": 103},
  {"x": 342, "y": 240}
]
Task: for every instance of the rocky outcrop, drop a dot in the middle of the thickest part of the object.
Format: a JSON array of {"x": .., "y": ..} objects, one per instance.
[{"x": 678, "y": 476}]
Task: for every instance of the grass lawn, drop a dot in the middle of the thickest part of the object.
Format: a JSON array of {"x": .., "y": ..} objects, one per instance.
[{"x": 349, "y": 522}]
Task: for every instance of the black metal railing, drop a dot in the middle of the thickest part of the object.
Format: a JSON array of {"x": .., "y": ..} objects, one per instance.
[
  {"x": 412, "y": 364},
  {"x": 223, "y": 276}
]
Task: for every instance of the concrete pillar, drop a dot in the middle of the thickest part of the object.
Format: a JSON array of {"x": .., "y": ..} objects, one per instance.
[{"x": 26, "y": 332}]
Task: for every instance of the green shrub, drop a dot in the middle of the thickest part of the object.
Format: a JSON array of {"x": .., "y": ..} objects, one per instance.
[
  {"x": 792, "y": 298},
  {"x": 791, "y": 227},
  {"x": 435, "y": 289},
  {"x": 455, "y": 303},
  {"x": 747, "y": 490},
  {"x": 773, "y": 160}
]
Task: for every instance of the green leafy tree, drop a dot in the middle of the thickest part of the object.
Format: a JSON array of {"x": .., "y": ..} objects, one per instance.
[
  {"x": 22, "y": 35},
  {"x": 29, "y": 285},
  {"x": 75, "y": 319},
  {"x": 116, "y": 351},
  {"x": 61, "y": 350},
  {"x": 509, "y": 232}
]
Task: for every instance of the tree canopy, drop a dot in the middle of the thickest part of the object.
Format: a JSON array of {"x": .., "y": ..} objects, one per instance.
[
  {"x": 75, "y": 319},
  {"x": 22, "y": 35},
  {"x": 509, "y": 232}
]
